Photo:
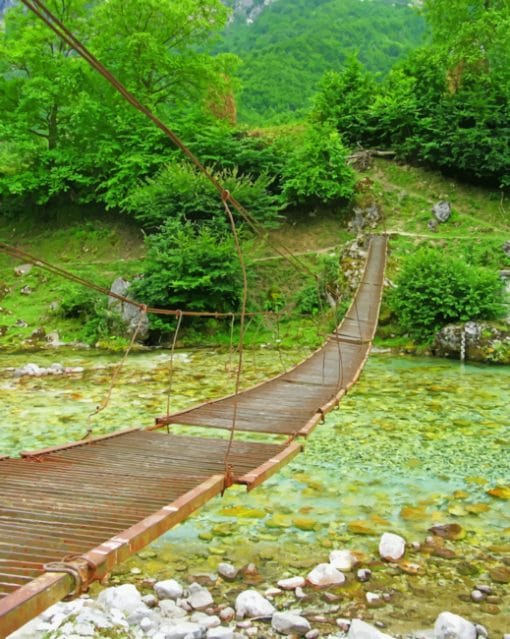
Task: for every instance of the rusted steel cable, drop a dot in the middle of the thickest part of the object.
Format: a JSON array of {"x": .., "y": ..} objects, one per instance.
[
  {"x": 239, "y": 371},
  {"x": 171, "y": 363}
]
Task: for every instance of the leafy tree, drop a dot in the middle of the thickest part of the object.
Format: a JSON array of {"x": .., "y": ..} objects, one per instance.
[
  {"x": 190, "y": 266},
  {"x": 65, "y": 129},
  {"x": 316, "y": 171},
  {"x": 434, "y": 289},
  {"x": 345, "y": 101}
]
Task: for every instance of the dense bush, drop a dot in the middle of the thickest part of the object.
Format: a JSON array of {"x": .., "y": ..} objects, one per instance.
[
  {"x": 190, "y": 267},
  {"x": 316, "y": 171},
  {"x": 179, "y": 190},
  {"x": 434, "y": 289}
]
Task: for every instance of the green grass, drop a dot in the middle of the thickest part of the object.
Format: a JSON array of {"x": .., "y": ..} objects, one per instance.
[{"x": 100, "y": 247}]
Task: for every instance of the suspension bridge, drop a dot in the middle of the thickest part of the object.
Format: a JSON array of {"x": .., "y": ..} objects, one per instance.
[{"x": 70, "y": 514}]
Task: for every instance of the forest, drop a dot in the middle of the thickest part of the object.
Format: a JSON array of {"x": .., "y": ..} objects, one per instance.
[{"x": 404, "y": 80}]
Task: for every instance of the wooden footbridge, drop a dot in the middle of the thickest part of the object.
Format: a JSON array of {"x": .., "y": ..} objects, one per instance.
[{"x": 69, "y": 514}]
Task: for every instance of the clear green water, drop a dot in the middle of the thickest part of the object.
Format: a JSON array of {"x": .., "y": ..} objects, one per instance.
[{"x": 418, "y": 442}]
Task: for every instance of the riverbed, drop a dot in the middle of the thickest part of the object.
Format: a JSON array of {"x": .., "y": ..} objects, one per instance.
[{"x": 417, "y": 443}]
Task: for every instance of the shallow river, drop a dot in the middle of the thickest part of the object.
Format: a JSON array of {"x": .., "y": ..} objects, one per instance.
[{"x": 417, "y": 443}]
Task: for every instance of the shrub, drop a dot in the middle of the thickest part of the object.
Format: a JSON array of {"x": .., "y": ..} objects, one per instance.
[
  {"x": 434, "y": 289},
  {"x": 179, "y": 190},
  {"x": 316, "y": 171},
  {"x": 190, "y": 267}
]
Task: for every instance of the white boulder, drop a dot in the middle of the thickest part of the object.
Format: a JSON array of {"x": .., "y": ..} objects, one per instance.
[
  {"x": 168, "y": 589},
  {"x": 124, "y": 598},
  {"x": 362, "y": 630},
  {"x": 325, "y": 575},
  {"x": 450, "y": 626},
  {"x": 288, "y": 623},
  {"x": 392, "y": 547},
  {"x": 291, "y": 583},
  {"x": 342, "y": 560},
  {"x": 252, "y": 604}
]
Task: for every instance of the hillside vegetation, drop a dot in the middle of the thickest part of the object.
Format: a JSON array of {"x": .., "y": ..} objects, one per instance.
[
  {"x": 90, "y": 184},
  {"x": 294, "y": 42}
]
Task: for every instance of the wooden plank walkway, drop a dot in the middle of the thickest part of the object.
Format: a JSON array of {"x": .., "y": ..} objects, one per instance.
[{"x": 69, "y": 514}]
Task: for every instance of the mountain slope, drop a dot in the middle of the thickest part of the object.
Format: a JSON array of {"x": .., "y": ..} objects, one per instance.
[{"x": 289, "y": 46}]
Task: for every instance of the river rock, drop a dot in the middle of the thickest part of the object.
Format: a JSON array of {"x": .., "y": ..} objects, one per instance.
[
  {"x": 288, "y": 623},
  {"x": 169, "y": 608},
  {"x": 133, "y": 316},
  {"x": 291, "y": 583},
  {"x": 365, "y": 217},
  {"x": 362, "y": 630},
  {"x": 442, "y": 210},
  {"x": 227, "y": 571},
  {"x": 200, "y": 598},
  {"x": 168, "y": 589},
  {"x": 220, "y": 633},
  {"x": 325, "y": 575},
  {"x": 392, "y": 547},
  {"x": 342, "y": 560},
  {"x": 484, "y": 342},
  {"x": 450, "y": 626},
  {"x": 184, "y": 630},
  {"x": 252, "y": 604},
  {"x": 227, "y": 614},
  {"x": 124, "y": 598},
  {"x": 506, "y": 247}
]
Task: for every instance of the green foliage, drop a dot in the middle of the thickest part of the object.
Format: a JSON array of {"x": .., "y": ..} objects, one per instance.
[
  {"x": 190, "y": 267},
  {"x": 179, "y": 190},
  {"x": 434, "y": 289},
  {"x": 326, "y": 289},
  {"x": 316, "y": 171},
  {"x": 63, "y": 130},
  {"x": 345, "y": 99},
  {"x": 294, "y": 42}
]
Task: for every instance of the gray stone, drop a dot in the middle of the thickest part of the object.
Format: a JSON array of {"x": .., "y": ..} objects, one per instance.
[
  {"x": 292, "y": 583},
  {"x": 123, "y": 598},
  {"x": 362, "y": 630},
  {"x": 170, "y": 609},
  {"x": 313, "y": 634},
  {"x": 477, "y": 596},
  {"x": 325, "y": 575},
  {"x": 252, "y": 604},
  {"x": 133, "y": 316},
  {"x": 342, "y": 560},
  {"x": 392, "y": 547},
  {"x": 150, "y": 600},
  {"x": 288, "y": 623},
  {"x": 481, "y": 631},
  {"x": 185, "y": 630},
  {"x": 200, "y": 599},
  {"x": 227, "y": 614},
  {"x": 227, "y": 571},
  {"x": 27, "y": 290},
  {"x": 209, "y": 621},
  {"x": 220, "y": 633},
  {"x": 450, "y": 626},
  {"x": 506, "y": 247},
  {"x": 168, "y": 589},
  {"x": 442, "y": 210},
  {"x": 364, "y": 574}
]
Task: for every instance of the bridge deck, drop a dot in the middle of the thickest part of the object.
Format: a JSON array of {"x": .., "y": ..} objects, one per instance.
[
  {"x": 294, "y": 402},
  {"x": 69, "y": 514}
]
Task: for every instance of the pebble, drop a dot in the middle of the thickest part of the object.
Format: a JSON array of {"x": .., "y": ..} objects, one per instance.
[
  {"x": 325, "y": 575},
  {"x": 291, "y": 583},
  {"x": 169, "y": 589},
  {"x": 313, "y": 634},
  {"x": 250, "y": 603},
  {"x": 342, "y": 560},
  {"x": 364, "y": 574},
  {"x": 227, "y": 571},
  {"x": 200, "y": 599},
  {"x": 477, "y": 596},
  {"x": 392, "y": 547},
  {"x": 288, "y": 623},
  {"x": 227, "y": 614},
  {"x": 220, "y": 633}
]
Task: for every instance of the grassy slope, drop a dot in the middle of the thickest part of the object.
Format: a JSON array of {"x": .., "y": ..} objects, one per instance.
[{"x": 102, "y": 248}]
